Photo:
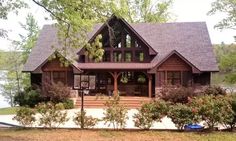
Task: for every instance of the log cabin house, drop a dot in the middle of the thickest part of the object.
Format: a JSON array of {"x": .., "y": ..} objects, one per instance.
[{"x": 144, "y": 57}]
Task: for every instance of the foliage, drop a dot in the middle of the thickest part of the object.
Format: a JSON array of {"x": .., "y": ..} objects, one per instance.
[
  {"x": 15, "y": 79},
  {"x": 141, "y": 79},
  {"x": 149, "y": 113},
  {"x": 51, "y": 114},
  {"x": 29, "y": 97},
  {"x": 115, "y": 113},
  {"x": 25, "y": 116},
  {"x": 183, "y": 114},
  {"x": 230, "y": 121},
  {"x": 27, "y": 40},
  {"x": 213, "y": 110},
  {"x": 6, "y": 7},
  {"x": 89, "y": 121},
  {"x": 68, "y": 104},
  {"x": 226, "y": 59},
  {"x": 214, "y": 90},
  {"x": 56, "y": 92},
  {"x": 176, "y": 94},
  {"x": 227, "y": 7}
]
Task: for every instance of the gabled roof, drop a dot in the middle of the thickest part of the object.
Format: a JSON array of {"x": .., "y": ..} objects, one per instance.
[
  {"x": 190, "y": 39},
  {"x": 151, "y": 50},
  {"x": 194, "y": 68}
]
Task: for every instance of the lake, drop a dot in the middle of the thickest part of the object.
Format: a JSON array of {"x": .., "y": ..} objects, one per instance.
[{"x": 3, "y": 102}]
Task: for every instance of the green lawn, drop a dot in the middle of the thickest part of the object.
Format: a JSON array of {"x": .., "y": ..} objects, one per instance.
[
  {"x": 8, "y": 111},
  {"x": 108, "y": 135}
]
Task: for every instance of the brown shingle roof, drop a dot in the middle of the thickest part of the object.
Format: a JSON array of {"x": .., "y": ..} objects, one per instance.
[{"x": 190, "y": 39}]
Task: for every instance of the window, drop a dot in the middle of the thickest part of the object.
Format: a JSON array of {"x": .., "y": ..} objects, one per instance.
[
  {"x": 136, "y": 44},
  {"x": 106, "y": 56},
  {"x": 59, "y": 76},
  {"x": 174, "y": 77},
  {"x": 117, "y": 56},
  {"x": 128, "y": 57},
  {"x": 139, "y": 56},
  {"x": 128, "y": 41},
  {"x": 119, "y": 45}
]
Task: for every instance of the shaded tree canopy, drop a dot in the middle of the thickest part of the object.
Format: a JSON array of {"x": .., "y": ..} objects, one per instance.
[{"x": 229, "y": 8}]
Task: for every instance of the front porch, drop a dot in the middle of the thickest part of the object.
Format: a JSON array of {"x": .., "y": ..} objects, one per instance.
[{"x": 122, "y": 83}]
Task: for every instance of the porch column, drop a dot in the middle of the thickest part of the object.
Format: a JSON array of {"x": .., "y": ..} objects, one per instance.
[
  {"x": 115, "y": 76},
  {"x": 149, "y": 85}
]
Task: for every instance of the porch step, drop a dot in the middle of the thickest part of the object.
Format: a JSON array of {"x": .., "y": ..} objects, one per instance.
[{"x": 128, "y": 102}]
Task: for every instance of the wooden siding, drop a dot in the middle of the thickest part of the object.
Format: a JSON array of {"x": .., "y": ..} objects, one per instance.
[
  {"x": 174, "y": 63},
  {"x": 54, "y": 65}
]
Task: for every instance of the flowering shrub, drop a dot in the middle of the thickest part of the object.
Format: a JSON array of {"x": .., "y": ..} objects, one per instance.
[
  {"x": 214, "y": 90},
  {"x": 149, "y": 113},
  {"x": 51, "y": 114},
  {"x": 213, "y": 110},
  {"x": 25, "y": 116},
  {"x": 115, "y": 113},
  {"x": 56, "y": 92},
  {"x": 230, "y": 120},
  {"x": 183, "y": 114},
  {"x": 176, "y": 94},
  {"x": 89, "y": 121}
]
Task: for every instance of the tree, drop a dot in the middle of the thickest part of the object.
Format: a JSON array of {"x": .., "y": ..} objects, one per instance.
[
  {"x": 228, "y": 7},
  {"x": 226, "y": 58},
  {"x": 28, "y": 40},
  {"x": 15, "y": 80},
  {"x": 7, "y": 6}
]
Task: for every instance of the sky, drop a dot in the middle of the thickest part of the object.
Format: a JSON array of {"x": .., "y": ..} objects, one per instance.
[{"x": 183, "y": 11}]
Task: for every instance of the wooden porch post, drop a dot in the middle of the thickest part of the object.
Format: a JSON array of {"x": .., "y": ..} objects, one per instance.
[
  {"x": 115, "y": 84},
  {"x": 115, "y": 76},
  {"x": 149, "y": 85}
]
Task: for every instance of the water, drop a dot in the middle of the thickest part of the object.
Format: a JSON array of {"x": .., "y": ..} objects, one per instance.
[{"x": 3, "y": 102}]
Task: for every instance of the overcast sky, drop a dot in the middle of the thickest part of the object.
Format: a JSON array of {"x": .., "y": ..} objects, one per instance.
[{"x": 183, "y": 10}]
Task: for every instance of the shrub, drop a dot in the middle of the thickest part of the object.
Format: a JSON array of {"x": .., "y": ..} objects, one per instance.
[
  {"x": 230, "y": 120},
  {"x": 68, "y": 104},
  {"x": 214, "y": 90},
  {"x": 213, "y": 110},
  {"x": 89, "y": 121},
  {"x": 25, "y": 116},
  {"x": 56, "y": 92},
  {"x": 150, "y": 112},
  {"x": 176, "y": 94},
  {"x": 182, "y": 114},
  {"x": 51, "y": 114},
  {"x": 28, "y": 97},
  {"x": 115, "y": 113}
]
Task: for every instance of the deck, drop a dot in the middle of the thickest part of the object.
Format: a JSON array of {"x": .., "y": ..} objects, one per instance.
[{"x": 98, "y": 102}]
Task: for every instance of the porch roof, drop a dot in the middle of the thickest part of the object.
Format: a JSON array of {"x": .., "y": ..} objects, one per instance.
[{"x": 128, "y": 66}]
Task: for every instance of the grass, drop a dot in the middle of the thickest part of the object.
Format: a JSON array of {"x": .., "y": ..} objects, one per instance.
[
  {"x": 104, "y": 135},
  {"x": 8, "y": 111}
]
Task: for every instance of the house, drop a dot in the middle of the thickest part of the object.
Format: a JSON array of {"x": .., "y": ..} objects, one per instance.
[{"x": 144, "y": 57}]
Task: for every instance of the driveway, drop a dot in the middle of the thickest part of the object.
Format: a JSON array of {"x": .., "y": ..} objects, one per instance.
[{"x": 98, "y": 113}]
